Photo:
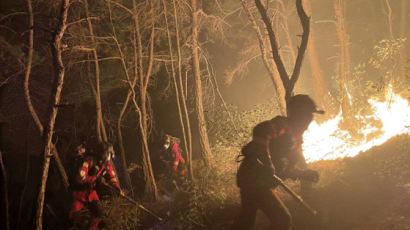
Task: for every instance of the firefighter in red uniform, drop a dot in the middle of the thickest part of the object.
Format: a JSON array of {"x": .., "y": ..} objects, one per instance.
[
  {"x": 95, "y": 165},
  {"x": 275, "y": 148},
  {"x": 171, "y": 156}
]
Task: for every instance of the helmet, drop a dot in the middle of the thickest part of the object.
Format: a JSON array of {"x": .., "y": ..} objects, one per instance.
[
  {"x": 166, "y": 141},
  {"x": 302, "y": 103},
  {"x": 262, "y": 130}
]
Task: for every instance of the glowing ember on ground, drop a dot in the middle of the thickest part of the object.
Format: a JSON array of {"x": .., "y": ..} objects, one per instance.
[{"x": 326, "y": 141}]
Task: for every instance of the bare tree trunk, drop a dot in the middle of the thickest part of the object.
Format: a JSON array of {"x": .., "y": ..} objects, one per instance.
[
  {"x": 183, "y": 96},
  {"x": 273, "y": 73},
  {"x": 101, "y": 131},
  {"x": 341, "y": 33},
  {"x": 177, "y": 90},
  {"x": 28, "y": 69},
  {"x": 321, "y": 92},
  {"x": 6, "y": 189},
  {"x": 121, "y": 140},
  {"x": 28, "y": 97},
  {"x": 26, "y": 175},
  {"x": 125, "y": 105},
  {"x": 151, "y": 186},
  {"x": 203, "y": 135},
  {"x": 59, "y": 68}
]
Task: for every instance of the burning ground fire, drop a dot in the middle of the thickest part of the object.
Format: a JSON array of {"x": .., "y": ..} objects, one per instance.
[{"x": 327, "y": 141}]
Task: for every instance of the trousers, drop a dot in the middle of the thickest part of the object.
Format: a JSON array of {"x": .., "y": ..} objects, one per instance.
[{"x": 266, "y": 200}]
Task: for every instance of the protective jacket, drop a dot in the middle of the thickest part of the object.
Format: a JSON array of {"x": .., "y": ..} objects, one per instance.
[
  {"x": 84, "y": 191},
  {"x": 256, "y": 169},
  {"x": 173, "y": 158},
  {"x": 285, "y": 148}
]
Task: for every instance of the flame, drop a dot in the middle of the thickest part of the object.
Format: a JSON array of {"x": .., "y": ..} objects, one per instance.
[{"x": 327, "y": 141}]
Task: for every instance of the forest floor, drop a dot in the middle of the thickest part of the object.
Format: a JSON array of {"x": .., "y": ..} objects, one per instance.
[{"x": 369, "y": 191}]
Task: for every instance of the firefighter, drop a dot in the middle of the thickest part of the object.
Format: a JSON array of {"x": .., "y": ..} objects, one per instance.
[
  {"x": 286, "y": 148},
  {"x": 171, "y": 157},
  {"x": 95, "y": 165},
  {"x": 275, "y": 148}
]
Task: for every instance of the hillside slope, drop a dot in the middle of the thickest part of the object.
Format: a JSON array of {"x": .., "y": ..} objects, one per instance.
[{"x": 369, "y": 191}]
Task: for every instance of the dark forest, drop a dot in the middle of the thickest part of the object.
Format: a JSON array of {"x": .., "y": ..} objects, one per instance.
[{"x": 136, "y": 114}]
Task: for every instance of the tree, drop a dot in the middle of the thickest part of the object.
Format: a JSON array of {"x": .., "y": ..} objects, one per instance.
[
  {"x": 344, "y": 60},
  {"x": 268, "y": 63},
  {"x": 101, "y": 132},
  {"x": 179, "y": 88},
  {"x": 59, "y": 80},
  {"x": 203, "y": 135},
  {"x": 287, "y": 81}
]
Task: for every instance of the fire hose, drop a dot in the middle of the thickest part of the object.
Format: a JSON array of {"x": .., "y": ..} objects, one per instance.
[
  {"x": 294, "y": 195},
  {"x": 133, "y": 201}
]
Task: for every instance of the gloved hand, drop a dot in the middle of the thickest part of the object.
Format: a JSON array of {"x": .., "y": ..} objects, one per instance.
[
  {"x": 310, "y": 175},
  {"x": 92, "y": 171},
  {"x": 99, "y": 180}
]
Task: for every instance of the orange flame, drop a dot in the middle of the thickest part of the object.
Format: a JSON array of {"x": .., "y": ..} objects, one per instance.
[{"x": 327, "y": 141}]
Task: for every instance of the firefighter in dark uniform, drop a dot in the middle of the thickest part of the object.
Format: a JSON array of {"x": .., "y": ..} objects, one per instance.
[{"x": 275, "y": 148}]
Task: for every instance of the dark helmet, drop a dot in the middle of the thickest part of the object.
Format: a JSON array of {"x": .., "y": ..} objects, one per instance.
[
  {"x": 262, "y": 130},
  {"x": 99, "y": 150},
  {"x": 302, "y": 103}
]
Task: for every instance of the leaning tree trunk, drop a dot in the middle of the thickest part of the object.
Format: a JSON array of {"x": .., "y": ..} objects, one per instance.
[
  {"x": 203, "y": 134},
  {"x": 59, "y": 80},
  {"x": 28, "y": 69}
]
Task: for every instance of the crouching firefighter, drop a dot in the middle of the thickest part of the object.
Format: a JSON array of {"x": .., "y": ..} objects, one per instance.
[{"x": 94, "y": 165}]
